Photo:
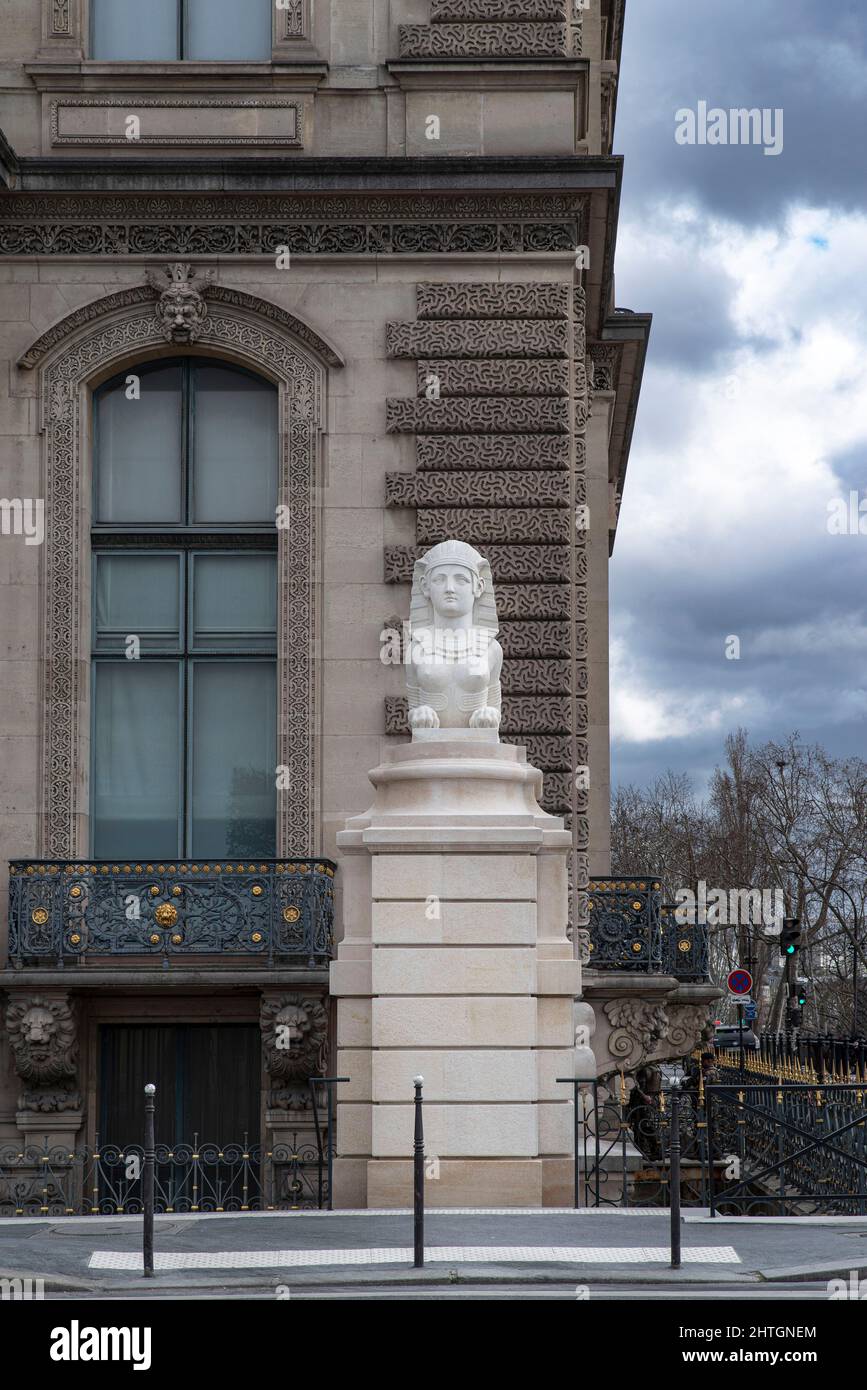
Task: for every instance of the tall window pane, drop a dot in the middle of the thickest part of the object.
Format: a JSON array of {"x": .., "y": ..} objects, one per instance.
[
  {"x": 134, "y": 30},
  {"x": 137, "y": 596},
  {"x": 139, "y": 449},
  {"x": 234, "y": 718},
  {"x": 235, "y": 449},
  {"x": 136, "y": 759},
  {"x": 229, "y": 29},
  {"x": 235, "y": 601}
]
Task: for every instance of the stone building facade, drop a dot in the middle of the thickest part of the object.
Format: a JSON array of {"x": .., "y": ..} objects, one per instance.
[{"x": 356, "y": 259}]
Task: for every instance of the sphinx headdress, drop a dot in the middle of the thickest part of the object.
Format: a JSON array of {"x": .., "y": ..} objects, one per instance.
[{"x": 421, "y": 614}]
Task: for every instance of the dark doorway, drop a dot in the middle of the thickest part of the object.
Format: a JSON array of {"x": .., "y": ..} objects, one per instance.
[{"x": 208, "y": 1079}]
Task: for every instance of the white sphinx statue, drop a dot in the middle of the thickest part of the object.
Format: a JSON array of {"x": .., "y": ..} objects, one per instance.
[{"x": 454, "y": 659}]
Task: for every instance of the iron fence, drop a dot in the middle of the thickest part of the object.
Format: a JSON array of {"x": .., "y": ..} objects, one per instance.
[
  {"x": 749, "y": 1144},
  {"x": 106, "y": 1180}
]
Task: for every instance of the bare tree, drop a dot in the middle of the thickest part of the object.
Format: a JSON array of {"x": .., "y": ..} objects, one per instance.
[{"x": 784, "y": 818}]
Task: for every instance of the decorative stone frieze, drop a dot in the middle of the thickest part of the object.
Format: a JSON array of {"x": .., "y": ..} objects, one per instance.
[{"x": 184, "y": 226}]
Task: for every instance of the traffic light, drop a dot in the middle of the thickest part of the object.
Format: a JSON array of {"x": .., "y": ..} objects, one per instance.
[
  {"x": 801, "y": 993},
  {"x": 790, "y": 936}
]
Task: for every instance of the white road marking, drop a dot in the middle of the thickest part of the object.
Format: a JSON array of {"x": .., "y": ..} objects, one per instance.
[{"x": 437, "y": 1254}]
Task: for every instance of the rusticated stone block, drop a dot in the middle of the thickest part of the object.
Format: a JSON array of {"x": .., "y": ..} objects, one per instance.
[
  {"x": 533, "y": 600},
  {"x": 486, "y": 414},
  {"x": 492, "y": 299},
  {"x": 471, "y": 489},
  {"x": 463, "y": 338},
  {"x": 522, "y": 714},
  {"x": 470, "y": 11},
  {"x": 493, "y": 378},
  {"x": 530, "y": 40},
  {"x": 550, "y": 752},
  {"x": 540, "y": 564},
  {"x": 534, "y": 639},
  {"x": 557, "y": 794},
  {"x": 538, "y": 676},
  {"x": 489, "y": 526},
  {"x": 536, "y": 451},
  {"x": 547, "y": 714}
]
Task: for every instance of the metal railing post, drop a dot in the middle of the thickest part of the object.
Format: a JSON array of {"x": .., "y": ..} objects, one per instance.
[
  {"x": 328, "y": 1082},
  {"x": 418, "y": 1176},
  {"x": 674, "y": 1179},
  {"x": 148, "y": 1182}
]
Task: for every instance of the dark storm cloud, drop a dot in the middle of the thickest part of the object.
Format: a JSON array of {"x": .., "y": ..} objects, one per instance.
[
  {"x": 692, "y": 325},
  {"x": 794, "y": 595},
  {"x": 808, "y": 58},
  {"x": 802, "y": 627}
]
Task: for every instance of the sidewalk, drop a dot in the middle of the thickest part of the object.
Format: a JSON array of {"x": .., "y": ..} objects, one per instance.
[{"x": 96, "y": 1255}]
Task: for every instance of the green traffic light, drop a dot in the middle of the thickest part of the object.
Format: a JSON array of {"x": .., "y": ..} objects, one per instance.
[{"x": 790, "y": 950}]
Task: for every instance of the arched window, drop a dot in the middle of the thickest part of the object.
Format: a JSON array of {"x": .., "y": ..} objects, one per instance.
[
  {"x": 167, "y": 30},
  {"x": 184, "y": 613}
]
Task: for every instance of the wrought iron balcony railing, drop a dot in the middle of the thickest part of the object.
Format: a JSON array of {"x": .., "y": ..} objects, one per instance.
[
  {"x": 684, "y": 949},
  {"x": 78, "y": 912},
  {"x": 630, "y": 930}
]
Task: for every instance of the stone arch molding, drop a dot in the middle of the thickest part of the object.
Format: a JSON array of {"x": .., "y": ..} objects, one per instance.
[{"x": 85, "y": 347}]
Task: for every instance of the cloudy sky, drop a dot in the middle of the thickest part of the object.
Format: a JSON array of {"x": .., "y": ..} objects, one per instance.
[{"x": 753, "y": 415}]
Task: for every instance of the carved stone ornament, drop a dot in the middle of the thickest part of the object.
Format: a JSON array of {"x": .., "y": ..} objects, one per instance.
[
  {"x": 42, "y": 1035},
  {"x": 453, "y": 672},
  {"x": 294, "y": 1043},
  {"x": 639, "y": 1027},
  {"x": 688, "y": 1025},
  {"x": 181, "y": 309}
]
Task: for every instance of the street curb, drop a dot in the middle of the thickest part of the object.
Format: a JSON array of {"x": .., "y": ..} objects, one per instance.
[
  {"x": 53, "y": 1283},
  {"x": 467, "y": 1276},
  {"x": 802, "y": 1273}
]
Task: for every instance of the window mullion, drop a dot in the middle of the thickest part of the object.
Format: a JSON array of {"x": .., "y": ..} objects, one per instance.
[{"x": 186, "y": 768}]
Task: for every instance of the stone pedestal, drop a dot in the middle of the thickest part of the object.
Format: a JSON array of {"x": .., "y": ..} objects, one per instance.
[{"x": 456, "y": 966}]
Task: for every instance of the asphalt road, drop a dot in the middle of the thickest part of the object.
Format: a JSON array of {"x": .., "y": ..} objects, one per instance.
[{"x": 784, "y": 1252}]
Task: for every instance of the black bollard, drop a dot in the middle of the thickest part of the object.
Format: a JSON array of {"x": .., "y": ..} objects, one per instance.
[
  {"x": 674, "y": 1179},
  {"x": 418, "y": 1176},
  {"x": 148, "y": 1182}
]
